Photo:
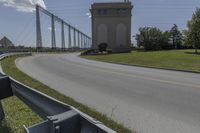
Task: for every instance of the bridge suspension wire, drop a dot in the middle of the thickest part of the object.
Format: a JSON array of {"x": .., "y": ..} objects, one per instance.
[
  {"x": 77, "y": 34},
  {"x": 25, "y": 29}
]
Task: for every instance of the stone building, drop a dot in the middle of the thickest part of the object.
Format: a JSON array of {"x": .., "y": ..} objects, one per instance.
[{"x": 111, "y": 24}]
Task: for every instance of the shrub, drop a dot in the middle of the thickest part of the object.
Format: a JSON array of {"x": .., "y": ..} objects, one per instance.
[
  {"x": 109, "y": 51},
  {"x": 88, "y": 52},
  {"x": 102, "y": 47}
]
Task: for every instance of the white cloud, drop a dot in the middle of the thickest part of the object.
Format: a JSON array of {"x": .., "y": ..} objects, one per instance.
[
  {"x": 23, "y": 5},
  {"x": 89, "y": 15}
]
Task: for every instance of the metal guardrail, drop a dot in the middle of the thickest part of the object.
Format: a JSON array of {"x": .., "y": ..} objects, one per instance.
[
  {"x": 58, "y": 117},
  {"x": 2, "y": 115},
  {"x": 2, "y": 56}
]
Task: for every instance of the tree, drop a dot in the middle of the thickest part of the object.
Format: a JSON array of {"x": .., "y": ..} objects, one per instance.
[
  {"x": 176, "y": 37},
  {"x": 186, "y": 40},
  {"x": 165, "y": 41},
  {"x": 192, "y": 35},
  {"x": 151, "y": 38}
]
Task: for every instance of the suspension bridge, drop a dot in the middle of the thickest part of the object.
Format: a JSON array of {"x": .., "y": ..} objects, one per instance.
[{"x": 80, "y": 40}]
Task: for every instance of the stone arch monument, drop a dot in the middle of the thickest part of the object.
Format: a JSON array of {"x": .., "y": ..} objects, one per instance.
[{"x": 111, "y": 24}]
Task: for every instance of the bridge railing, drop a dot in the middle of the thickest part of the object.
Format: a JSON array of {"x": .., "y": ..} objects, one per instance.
[{"x": 58, "y": 117}]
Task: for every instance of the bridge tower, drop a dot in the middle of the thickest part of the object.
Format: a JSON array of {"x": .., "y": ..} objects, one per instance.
[{"x": 111, "y": 24}]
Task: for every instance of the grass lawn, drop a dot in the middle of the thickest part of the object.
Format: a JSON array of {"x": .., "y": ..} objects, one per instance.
[
  {"x": 18, "y": 114},
  {"x": 172, "y": 59}
]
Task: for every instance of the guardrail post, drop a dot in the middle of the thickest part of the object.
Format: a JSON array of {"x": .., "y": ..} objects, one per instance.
[
  {"x": 2, "y": 115},
  {"x": 5, "y": 91}
]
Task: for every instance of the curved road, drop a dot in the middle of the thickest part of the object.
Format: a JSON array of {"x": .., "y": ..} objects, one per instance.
[{"x": 146, "y": 100}]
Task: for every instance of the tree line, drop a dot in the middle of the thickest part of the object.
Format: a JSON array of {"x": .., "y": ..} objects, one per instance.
[{"x": 152, "y": 38}]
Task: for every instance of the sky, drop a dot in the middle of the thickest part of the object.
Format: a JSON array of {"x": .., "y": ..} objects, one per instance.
[{"x": 17, "y": 17}]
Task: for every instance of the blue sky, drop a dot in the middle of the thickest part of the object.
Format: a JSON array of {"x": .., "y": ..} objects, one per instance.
[{"x": 19, "y": 26}]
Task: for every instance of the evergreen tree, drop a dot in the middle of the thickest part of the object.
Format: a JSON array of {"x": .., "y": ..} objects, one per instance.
[{"x": 176, "y": 37}]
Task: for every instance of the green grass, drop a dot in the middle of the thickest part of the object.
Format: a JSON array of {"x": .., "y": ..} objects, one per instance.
[
  {"x": 18, "y": 114},
  {"x": 172, "y": 59}
]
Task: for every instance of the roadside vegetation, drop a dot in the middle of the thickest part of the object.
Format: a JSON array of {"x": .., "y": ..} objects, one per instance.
[
  {"x": 18, "y": 114},
  {"x": 152, "y": 38},
  {"x": 171, "y": 49},
  {"x": 173, "y": 59}
]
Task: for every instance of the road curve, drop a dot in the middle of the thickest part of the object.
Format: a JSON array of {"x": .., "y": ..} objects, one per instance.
[{"x": 144, "y": 99}]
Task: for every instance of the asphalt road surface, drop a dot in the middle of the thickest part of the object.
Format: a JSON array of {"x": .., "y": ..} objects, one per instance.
[{"x": 146, "y": 100}]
